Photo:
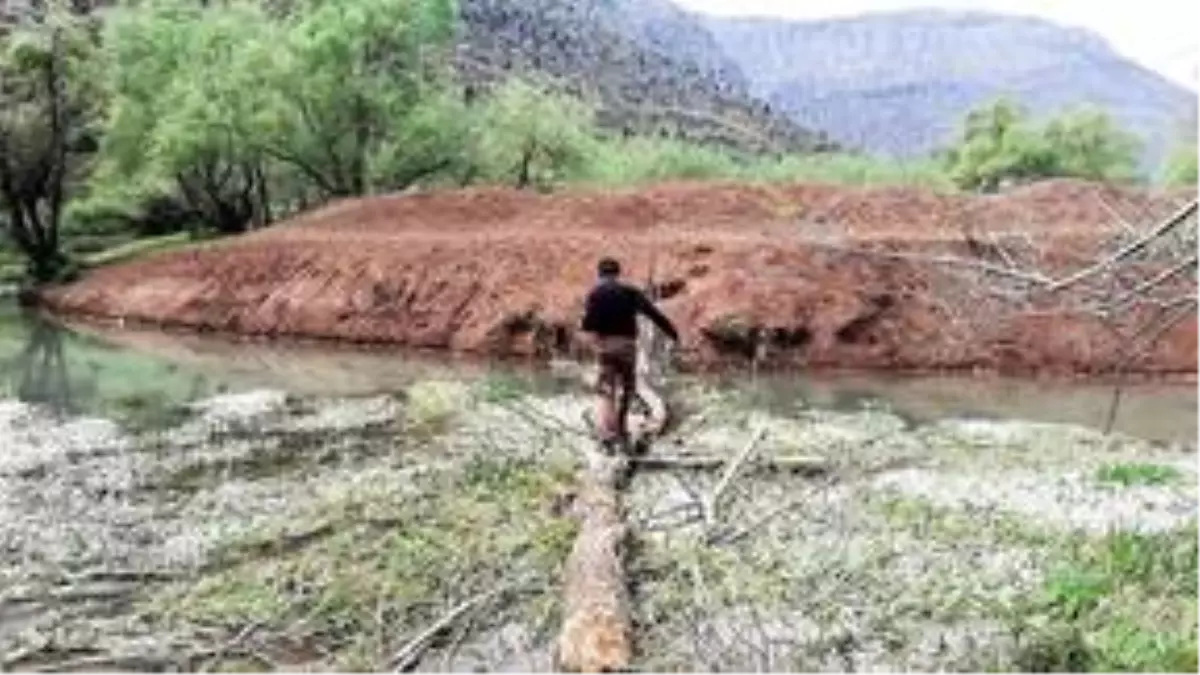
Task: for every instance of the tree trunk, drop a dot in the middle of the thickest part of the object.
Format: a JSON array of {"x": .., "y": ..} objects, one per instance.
[
  {"x": 597, "y": 631},
  {"x": 524, "y": 169}
]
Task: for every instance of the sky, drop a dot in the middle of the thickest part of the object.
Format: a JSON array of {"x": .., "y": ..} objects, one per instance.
[{"x": 1159, "y": 34}]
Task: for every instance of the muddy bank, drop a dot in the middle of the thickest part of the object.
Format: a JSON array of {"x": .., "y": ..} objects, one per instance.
[
  {"x": 262, "y": 531},
  {"x": 800, "y": 276}
]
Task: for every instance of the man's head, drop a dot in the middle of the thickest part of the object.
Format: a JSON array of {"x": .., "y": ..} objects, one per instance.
[{"x": 608, "y": 268}]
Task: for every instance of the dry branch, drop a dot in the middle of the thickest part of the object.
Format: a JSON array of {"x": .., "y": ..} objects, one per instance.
[
  {"x": 1141, "y": 243},
  {"x": 808, "y": 465},
  {"x": 410, "y": 654},
  {"x": 710, "y": 504}
]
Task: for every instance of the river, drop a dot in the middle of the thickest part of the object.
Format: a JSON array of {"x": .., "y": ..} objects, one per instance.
[{"x": 77, "y": 369}]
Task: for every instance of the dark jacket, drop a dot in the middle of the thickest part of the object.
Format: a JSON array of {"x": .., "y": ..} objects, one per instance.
[{"x": 612, "y": 309}]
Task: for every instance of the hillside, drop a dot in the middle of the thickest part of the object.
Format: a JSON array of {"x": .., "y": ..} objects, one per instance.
[
  {"x": 653, "y": 68},
  {"x": 899, "y": 83},
  {"x": 782, "y": 272}
]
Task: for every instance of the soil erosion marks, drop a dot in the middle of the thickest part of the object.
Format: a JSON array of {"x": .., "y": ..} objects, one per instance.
[{"x": 803, "y": 275}]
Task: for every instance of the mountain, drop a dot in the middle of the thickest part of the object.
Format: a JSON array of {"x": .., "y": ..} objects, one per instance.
[
  {"x": 899, "y": 83},
  {"x": 652, "y": 67}
]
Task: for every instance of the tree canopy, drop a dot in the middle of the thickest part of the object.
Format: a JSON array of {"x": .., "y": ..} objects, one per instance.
[{"x": 999, "y": 142}]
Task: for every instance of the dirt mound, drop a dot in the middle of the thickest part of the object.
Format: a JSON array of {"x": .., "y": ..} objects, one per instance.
[{"x": 768, "y": 272}]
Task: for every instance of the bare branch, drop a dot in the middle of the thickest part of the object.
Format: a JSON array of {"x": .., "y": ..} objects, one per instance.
[{"x": 710, "y": 504}]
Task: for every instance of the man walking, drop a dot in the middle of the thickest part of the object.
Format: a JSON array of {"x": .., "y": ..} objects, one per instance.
[{"x": 611, "y": 318}]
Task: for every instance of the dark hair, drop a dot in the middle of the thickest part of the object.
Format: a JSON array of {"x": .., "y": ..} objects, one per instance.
[{"x": 608, "y": 267}]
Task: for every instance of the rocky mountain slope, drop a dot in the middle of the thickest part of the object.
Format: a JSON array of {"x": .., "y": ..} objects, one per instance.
[
  {"x": 652, "y": 67},
  {"x": 899, "y": 83}
]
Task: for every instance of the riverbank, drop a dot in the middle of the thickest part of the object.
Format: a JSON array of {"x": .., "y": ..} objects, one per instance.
[
  {"x": 782, "y": 276},
  {"x": 266, "y": 531}
]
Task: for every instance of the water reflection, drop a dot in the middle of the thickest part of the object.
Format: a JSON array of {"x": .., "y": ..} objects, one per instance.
[
  {"x": 38, "y": 373},
  {"x": 69, "y": 374}
]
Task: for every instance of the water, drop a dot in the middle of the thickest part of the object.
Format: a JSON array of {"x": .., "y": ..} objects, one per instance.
[{"x": 79, "y": 369}]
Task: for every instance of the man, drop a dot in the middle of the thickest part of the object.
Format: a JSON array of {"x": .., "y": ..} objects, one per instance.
[{"x": 611, "y": 318}]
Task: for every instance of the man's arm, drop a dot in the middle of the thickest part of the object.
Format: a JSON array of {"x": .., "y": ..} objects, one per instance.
[{"x": 664, "y": 324}]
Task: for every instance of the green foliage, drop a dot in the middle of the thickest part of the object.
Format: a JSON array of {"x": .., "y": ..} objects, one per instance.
[
  {"x": 1086, "y": 144},
  {"x": 1181, "y": 167},
  {"x": 234, "y": 107},
  {"x": 382, "y": 558},
  {"x": 180, "y": 107},
  {"x": 1125, "y": 602},
  {"x": 346, "y": 81},
  {"x": 1000, "y": 143},
  {"x": 636, "y": 160},
  {"x": 48, "y": 102},
  {"x": 1137, "y": 474},
  {"x": 528, "y": 137},
  {"x": 640, "y": 160}
]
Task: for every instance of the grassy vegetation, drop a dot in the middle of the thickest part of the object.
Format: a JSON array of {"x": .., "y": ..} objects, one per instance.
[
  {"x": 637, "y": 161},
  {"x": 1122, "y": 602},
  {"x": 1136, "y": 473},
  {"x": 367, "y": 567},
  {"x": 138, "y": 247},
  {"x": 98, "y": 251}
]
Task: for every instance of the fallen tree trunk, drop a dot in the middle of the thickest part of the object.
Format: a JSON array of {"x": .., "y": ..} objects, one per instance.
[{"x": 597, "y": 631}]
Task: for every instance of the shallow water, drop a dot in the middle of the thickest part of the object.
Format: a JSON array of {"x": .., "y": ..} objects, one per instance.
[{"x": 86, "y": 369}]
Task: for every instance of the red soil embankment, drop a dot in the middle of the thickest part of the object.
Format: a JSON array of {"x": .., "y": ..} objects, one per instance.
[{"x": 775, "y": 271}]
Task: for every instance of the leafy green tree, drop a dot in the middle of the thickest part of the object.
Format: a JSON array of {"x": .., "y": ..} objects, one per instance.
[
  {"x": 997, "y": 143},
  {"x": 1086, "y": 144},
  {"x": 1180, "y": 165},
  {"x": 1000, "y": 143},
  {"x": 180, "y": 110},
  {"x": 531, "y": 137},
  {"x": 47, "y": 109},
  {"x": 347, "y": 81}
]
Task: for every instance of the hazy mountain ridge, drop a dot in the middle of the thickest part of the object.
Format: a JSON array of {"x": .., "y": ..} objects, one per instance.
[
  {"x": 899, "y": 83},
  {"x": 653, "y": 68}
]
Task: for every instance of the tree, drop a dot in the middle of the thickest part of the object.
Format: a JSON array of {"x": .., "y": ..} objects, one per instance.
[
  {"x": 242, "y": 109},
  {"x": 1086, "y": 144},
  {"x": 997, "y": 143},
  {"x": 180, "y": 109},
  {"x": 531, "y": 137},
  {"x": 1000, "y": 143},
  {"x": 47, "y": 101},
  {"x": 346, "y": 81},
  {"x": 1181, "y": 167}
]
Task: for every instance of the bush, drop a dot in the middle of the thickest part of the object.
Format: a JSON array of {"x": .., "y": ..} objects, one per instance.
[{"x": 1181, "y": 167}]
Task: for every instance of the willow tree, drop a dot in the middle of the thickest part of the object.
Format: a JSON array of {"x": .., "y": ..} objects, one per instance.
[
  {"x": 242, "y": 108},
  {"x": 529, "y": 136},
  {"x": 47, "y": 99},
  {"x": 180, "y": 108},
  {"x": 350, "y": 85},
  {"x": 1001, "y": 142}
]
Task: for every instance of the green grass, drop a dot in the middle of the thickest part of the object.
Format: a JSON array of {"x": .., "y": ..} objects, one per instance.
[
  {"x": 359, "y": 571},
  {"x": 640, "y": 160},
  {"x": 138, "y": 247},
  {"x": 1125, "y": 602},
  {"x": 96, "y": 251},
  {"x": 1136, "y": 473},
  {"x": 1121, "y": 602}
]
